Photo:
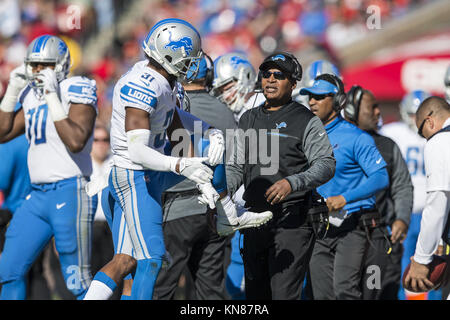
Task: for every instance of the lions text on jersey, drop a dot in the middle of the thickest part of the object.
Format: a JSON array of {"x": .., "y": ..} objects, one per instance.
[{"x": 142, "y": 88}]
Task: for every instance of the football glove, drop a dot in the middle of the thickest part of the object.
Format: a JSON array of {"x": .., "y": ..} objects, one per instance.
[
  {"x": 195, "y": 170},
  {"x": 216, "y": 147},
  {"x": 208, "y": 195}
]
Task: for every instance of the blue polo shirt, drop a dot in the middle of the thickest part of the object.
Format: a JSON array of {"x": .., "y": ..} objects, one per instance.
[
  {"x": 14, "y": 177},
  {"x": 360, "y": 168}
]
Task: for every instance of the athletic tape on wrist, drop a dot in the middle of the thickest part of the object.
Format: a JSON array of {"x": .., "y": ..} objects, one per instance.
[
  {"x": 55, "y": 107},
  {"x": 9, "y": 99}
]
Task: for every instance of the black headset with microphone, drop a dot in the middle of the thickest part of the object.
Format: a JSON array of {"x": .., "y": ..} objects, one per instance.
[
  {"x": 209, "y": 72},
  {"x": 298, "y": 72},
  {"x": 354, "y": 97},
  {"x": 340, "y": 98}
]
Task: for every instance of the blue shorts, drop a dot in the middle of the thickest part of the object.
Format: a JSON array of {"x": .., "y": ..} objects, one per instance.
[
  {"x": 138, "y": 231},
  {"x": 62, "y": 210},
  {"x": 132, "y": 207}
]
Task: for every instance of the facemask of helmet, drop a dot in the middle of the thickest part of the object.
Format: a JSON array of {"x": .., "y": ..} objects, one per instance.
[
  {"x": 176, "y": 45},
  {"x": 409, "y": 105},
  {"x": 233, "y": 68},
  {"x": 49, "y": 50}
]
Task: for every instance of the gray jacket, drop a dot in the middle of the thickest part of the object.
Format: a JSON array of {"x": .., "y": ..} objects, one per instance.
[{"x": 290, "y": 143}]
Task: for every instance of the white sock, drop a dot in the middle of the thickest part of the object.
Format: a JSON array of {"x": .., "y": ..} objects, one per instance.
[
  {"x": 98, "y": 291},
  {"x": 229, "y": 209}
]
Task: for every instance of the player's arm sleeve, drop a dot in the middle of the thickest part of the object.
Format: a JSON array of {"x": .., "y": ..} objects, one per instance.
[
  {"x": 434, "y": 218},
  {"x": 402, "y": 190},
  {"x": 235, "y": 166},
  {"x": 373, "y": 165},
  {"x": 318, "y": 151},
  {"x": 142, "y": 154}
]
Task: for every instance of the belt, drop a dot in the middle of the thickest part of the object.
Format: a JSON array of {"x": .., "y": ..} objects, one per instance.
[{"x": 56, "y": 184}]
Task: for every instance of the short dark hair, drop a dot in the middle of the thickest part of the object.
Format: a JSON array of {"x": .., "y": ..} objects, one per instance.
[{"x": 438, "y": 104}]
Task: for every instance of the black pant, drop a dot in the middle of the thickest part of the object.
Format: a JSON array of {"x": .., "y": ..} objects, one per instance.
[
  {"x": 387, "y": 267},
  {"x": 276, "y": 257},
  {"x": 190, "y": 241},
  {"x": 336, "y": 263}
]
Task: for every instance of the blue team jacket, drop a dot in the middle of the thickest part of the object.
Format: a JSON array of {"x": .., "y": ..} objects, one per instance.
[
  {"x": 360, "y": 168},
  {"x": 14, "y": 177}
]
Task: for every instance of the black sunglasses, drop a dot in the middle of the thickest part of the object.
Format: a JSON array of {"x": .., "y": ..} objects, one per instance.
[
  {"x": 277, "y": 75},
  {"x": 101, "y": 140},
  {"x": 319, "y": 97},
  {"x": 423, "y": 124}
]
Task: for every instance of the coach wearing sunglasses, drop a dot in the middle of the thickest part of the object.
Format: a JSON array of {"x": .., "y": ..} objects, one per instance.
[
  {"x": 337, "y": 259},
  {"x": 433, "y": 123},
  {"x": 276, "y": 255}
]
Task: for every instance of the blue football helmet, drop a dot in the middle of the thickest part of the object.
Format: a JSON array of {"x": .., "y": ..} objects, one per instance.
[
  {"x": 176, "y": 45},
  {"x": 409, "y": 105},
  {"x": 317, "y": 68}
]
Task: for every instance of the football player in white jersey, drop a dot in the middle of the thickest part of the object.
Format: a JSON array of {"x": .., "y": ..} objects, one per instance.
[
  {"x": 57, "y": 115},
  {"x": 404, "y": 134},
  {"x": 144, "y": 115}
]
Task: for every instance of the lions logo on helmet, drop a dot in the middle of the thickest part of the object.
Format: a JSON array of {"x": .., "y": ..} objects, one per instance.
[
  {"x": 237, "y": 60},
  {"x": 47, "y": 49},
  {"x": 233, "y": 67},
  {"x": 185, "y": 43},
  {"x": 409, "y": 105},
  {"x": 278, "y": 57},
  {"x": 176, "y": 45}
]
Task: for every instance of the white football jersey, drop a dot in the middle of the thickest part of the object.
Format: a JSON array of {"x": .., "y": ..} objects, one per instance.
[
  {"x": 412, "y": 147},
  {"x": 146, "y": 89},
  {"x": 49, "y": 160}
]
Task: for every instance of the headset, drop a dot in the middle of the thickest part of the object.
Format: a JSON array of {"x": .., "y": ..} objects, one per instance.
[
  {"x": 209, "y": 72},
  {"x": 340, "y": 98},
  {"x": 351, "y": 110},
  {"x": 298, "y": 72}
]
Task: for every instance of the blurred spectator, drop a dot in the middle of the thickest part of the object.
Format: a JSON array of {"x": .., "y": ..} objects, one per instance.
[
  {"x": 9, "y": 18},
  {"x": 102, "y": 244}
]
